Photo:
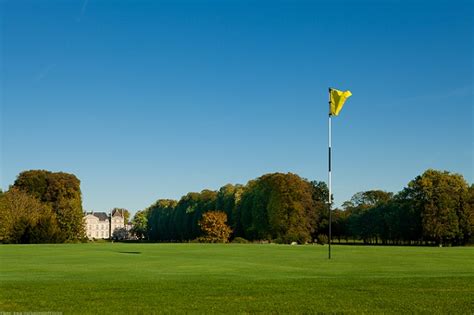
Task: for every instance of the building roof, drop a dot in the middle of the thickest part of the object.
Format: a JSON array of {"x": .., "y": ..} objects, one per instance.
[
  {"x": 102, "y": 216},
  {"x": 117, "y": 213}
]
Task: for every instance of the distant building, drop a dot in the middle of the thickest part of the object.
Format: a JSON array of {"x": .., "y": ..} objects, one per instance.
[
  {"x": 102, "y": 225},
  {"x": 118, "y": 220}
]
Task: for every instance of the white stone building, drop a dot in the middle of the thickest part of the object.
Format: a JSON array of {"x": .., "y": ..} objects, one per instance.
[{"x": 102, "y": 225}]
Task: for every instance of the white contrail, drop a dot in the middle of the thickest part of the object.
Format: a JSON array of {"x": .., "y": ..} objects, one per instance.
[
  {"x": 83, "y": 10},
  {"x": 45, "y": 72}
]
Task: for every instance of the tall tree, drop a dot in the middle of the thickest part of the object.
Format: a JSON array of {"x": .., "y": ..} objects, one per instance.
[
  {"x": 228, "y": 198},
  {"x": 26, "y": 220},
  {"x": 279, "y": 207},
  {"x": 364, "y": 218},
  {"x": 140, "y": 224},
  {"x": 160, "y": 226},
  {"x": 60, "y": 191},
  {"x": 440, "y": 197},
  {"x": 320, "y": 198}
]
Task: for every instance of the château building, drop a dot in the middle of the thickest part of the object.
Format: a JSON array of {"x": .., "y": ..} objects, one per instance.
[{"x": 102, "y": 225}]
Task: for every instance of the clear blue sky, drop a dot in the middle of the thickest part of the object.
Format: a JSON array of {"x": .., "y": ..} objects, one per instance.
[{"x": 153, "y": 99}]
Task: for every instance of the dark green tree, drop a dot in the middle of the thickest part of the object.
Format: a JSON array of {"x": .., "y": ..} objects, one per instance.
[
  {"x": 441, "y": 198},
  {"x": 278, "y": 207},
  {"x": 228, "y": 198},
  {"x": 321, "y": 208},
  {"x": 160, "y": 224},
  {"x": 60, "y": 191},
  {"x": 364, "y": 218}
]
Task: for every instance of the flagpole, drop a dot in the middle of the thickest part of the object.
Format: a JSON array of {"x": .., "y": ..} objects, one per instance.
[
  {"x": 329, "y": 173},
  {"x": 339, "y": 98}
]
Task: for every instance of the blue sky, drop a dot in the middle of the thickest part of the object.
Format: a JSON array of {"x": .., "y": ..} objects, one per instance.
[{"x": 153, "y": 99}]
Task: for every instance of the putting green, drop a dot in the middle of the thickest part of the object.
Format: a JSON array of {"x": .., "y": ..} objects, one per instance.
[{"x": 203, "y": 278}]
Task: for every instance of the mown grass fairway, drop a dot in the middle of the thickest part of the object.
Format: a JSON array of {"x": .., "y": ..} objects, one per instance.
[{"x": 146, "y": 278}]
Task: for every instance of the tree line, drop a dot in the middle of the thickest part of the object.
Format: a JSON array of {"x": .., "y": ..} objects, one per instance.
[
  {"x": 435, "y": 208},
  {"x": 280, "y": 207}
]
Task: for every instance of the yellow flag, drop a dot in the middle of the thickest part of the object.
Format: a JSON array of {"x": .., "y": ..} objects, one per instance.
[{"x": 337, "y": 100}]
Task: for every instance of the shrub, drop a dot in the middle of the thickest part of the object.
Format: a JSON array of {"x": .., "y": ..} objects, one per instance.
[
  {"x": 120, "y": 234},
  {"x": 322, "y": 239},
  {"x": 240, "y": 240}
]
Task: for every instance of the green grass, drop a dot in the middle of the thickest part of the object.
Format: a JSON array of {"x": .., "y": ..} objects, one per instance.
[{"x": 201, "y": 278}]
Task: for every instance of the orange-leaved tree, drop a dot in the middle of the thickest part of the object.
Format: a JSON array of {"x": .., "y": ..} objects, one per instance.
[{"x": 213, "y": 224}]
